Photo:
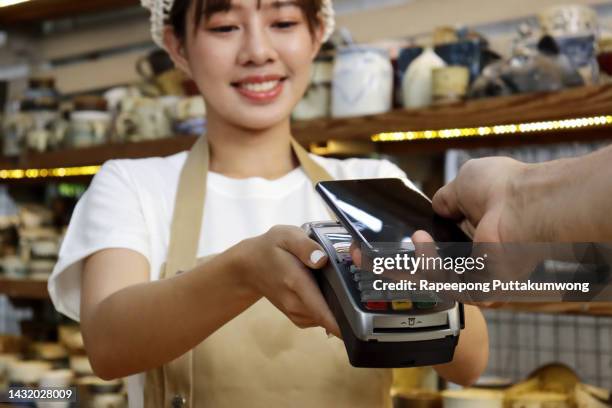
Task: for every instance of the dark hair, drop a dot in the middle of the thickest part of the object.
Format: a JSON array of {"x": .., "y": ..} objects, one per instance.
[{"x": 178, "y": 14}]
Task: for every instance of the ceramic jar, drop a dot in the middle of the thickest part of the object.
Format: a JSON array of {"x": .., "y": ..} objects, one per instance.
[
  {"x": 27, "y": 373},
  {"x": 569, "y": 20},
  {"x": 450, "y": 84},
  {"x": 15, "y": 129},
  {"x": 539, "y": 399},
  {"x": 581, "y": 52},
  {"x": 89, "y": 122},
  {"x": 473, "y": 398},
  {"x": 142, "y": 119},
  {"x": 604, "y": 58},
  {"x": 417, "y": 84},
  {"x": 363, "y": 82},
  {"x": 316, "y": 103}
]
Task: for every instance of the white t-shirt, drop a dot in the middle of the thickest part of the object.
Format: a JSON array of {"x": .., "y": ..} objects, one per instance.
[{"x": 129, "y": 204}]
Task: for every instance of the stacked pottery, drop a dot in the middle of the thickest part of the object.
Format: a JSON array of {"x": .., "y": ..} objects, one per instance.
[
  {"x": 575, "y": 29},
  {"x": 41, "y": 102}
]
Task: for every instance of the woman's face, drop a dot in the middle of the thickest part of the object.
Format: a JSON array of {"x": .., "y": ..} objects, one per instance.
[{"x": 252, "y": 63}]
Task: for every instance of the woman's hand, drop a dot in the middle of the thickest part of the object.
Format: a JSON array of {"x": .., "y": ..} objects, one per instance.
[{"x": 275, "y": 265}]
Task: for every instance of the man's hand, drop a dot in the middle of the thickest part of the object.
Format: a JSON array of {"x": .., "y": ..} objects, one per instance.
[{"x": 479, "y": 196}]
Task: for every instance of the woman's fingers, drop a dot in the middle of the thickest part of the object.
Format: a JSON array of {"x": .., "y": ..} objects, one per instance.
[
  {"x": 298, "y": 295},
  {"x": 313, "y": 300},
  {"x": 295, "y": 241},
  {"x": 355, "y": 251},
  {"x": 294, "y": 309},
  {"x": 304, "y": 309},
  {"x": 303, "y": 322}
]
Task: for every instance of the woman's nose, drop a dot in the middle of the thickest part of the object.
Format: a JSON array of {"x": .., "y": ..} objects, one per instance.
[{"x": 257, "y": 48}]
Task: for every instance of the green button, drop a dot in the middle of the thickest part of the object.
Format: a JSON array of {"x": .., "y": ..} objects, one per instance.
[{"x": 425, "y": 305}]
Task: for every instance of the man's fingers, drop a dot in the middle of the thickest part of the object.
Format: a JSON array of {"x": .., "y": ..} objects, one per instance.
[
  {"x": 424, "y": 244},
  {"x": 422, "y": 237},
  {"x": 467, "y": 227},
  {"x": 446, "y": 202}
]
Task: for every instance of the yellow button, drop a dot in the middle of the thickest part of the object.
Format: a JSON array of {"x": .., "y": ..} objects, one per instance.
[{"x": 398, "y": 305}]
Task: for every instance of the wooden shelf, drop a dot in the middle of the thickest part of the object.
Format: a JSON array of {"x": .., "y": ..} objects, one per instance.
[
  {"x": 533, "y": 107},
  {"x": 99, "y": 154},
  {"x": 569, "y": 104},
  {"x": 590, "y": 309},
  {"x": 35, "y": 11},
  {"x": 515, "y": 109},
  {"x": 24, "y": 288}
]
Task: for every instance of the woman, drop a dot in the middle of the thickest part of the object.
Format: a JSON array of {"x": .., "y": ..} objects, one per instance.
[{"x": 246, "y": 326}]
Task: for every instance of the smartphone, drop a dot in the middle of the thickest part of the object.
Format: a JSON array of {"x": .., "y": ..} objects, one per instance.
[{"x": 386, "y": 211}]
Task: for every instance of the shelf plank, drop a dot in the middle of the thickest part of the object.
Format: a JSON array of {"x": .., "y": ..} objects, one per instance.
[
  {"x": 575, "y": 308},
  {"x": 40, "y": 10},
  {"x": 24, "y": 288},
  {"x": 515, "y": 109},
  {"x": 99, "y": 154}
]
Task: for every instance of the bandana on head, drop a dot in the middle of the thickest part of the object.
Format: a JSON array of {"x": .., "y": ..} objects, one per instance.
[{"x": 160, "y": 11}]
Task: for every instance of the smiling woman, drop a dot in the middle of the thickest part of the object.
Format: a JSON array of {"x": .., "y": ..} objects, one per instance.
[
  {"x": 246, "y": 325},
  {"x": 262, "y": 53}
]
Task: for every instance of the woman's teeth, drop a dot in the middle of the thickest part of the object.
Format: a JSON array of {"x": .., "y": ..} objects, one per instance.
[{"x": 260, "y": 87}]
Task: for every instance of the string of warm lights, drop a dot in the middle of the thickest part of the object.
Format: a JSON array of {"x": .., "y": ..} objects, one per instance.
[
  {"x": 18, "y": 174},
  {"x": 531, "y": 127}
]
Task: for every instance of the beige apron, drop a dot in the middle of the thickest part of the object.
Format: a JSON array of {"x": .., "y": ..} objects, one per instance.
[{"x": 260, "y": 358}]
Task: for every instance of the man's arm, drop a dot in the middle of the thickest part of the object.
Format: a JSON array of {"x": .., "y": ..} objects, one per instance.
[{"x": 506, "y": 200}]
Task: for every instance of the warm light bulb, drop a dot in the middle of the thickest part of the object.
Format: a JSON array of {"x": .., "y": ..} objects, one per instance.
[{"x": 6, "y": 3}]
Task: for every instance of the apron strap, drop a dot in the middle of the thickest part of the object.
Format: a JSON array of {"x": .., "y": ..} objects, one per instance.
[
  {"x": 188, "y": 208},
  {"x": 182, "y": 248},
  {"x": 182, "y": 252},
  {"x": 313, "y": 170}
]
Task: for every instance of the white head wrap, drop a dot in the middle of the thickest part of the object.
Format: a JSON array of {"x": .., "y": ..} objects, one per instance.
[{"x": 160, "y": 11}]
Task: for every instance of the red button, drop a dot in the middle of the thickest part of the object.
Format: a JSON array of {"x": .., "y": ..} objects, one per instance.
[{"x": 377, "y": 305}]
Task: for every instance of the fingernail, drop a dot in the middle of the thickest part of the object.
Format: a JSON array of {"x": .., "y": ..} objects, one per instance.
[{"x": 316, "y": 256}]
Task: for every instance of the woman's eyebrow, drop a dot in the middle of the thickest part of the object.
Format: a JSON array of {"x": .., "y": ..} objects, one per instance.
[
  {"x": 224, "y": 8},
  {"x": 277, "y": 4}
]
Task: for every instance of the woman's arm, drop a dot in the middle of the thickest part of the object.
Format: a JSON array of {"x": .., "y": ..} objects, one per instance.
[
  {"x": 472, "y": 352},
  {"x": 131, "y": 325}
]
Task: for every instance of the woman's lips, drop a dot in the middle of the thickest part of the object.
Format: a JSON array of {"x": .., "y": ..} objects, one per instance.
[{"x": 260, "y": 90}]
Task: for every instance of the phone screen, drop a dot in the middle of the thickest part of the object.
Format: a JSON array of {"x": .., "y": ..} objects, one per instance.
[{"x": 386, "y": 211}]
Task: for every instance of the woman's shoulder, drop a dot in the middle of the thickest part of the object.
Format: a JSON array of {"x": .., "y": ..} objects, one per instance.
[
  {"x": 359, "y": 168},
  {"x": 145, "y": 170}
]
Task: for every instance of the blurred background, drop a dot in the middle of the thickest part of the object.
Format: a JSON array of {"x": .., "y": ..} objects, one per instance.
[{"x": 428, "y": 84}]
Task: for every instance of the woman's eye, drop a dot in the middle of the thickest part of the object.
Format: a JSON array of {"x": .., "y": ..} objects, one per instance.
[
  {"x": 224, "y": 29},
  {"x": 284, "y": 24}
]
